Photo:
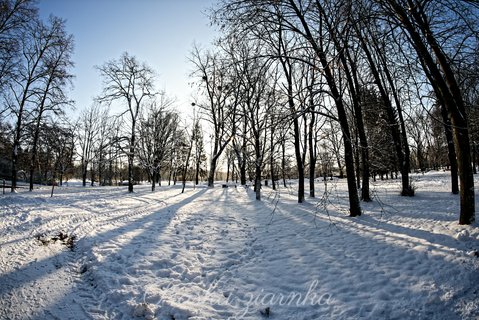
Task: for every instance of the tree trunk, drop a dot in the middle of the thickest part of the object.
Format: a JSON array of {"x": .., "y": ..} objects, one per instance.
[
  {"x": 34, "y": 150},
  {"x": 243, "y": 173},
  {"x": 84, "y": 173},
  {"x": 299, "y": 160},
  {"x": 271, "y": 156},
  {"x": 466, "y": 177},
  {"x": 354, "y": 207},
  {"x": 153, "y": 180},
  {"x": 228, "y": 164},
  {"x": 241, "y": 156},
  {"x": 211, "y": 173},
  {"x": 100, "y": 167},
  {"x": 197, "y": 172},
  {"x": 92, "y": 174},
  {"x": 257, "y": 185},
  {"x": 451, "y": 152},
  {"x": 312, "y": 154},
  {"x": 258, "y": 161},
  {"x": 185, "y": 170},
  {"x": 272, "y": 172},
  {"x": 130, "y": 173},
  {"x": 131, "y": 156},
  {"x": 283, "y": 162},
  {"x": 356, "y": 161}
]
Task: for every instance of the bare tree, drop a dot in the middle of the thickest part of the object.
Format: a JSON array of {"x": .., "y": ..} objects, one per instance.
[
  {"x": 188, "y": 151},
  {"x": 198, "y": 144},
  {"x": 256, "y": 92},
  {"x": 295, "y": 26},
  {"x": 156, "y": 133},
  {"x": 50, "y": 93},
  {"x": 88, "y": 128},
  {"x": 38, "y": 42},
  {"x": 61, "y": 138},
  {"x": 417, "y": 19},
  {"x": 379, "y": 69},
  {"x": 288, "y": 66},
  {"x": 130, "y": 82},
  {"x": 355, "y": 46},
  {"x": 306, "y": 30},
  {"x": 217, "y": 84}
]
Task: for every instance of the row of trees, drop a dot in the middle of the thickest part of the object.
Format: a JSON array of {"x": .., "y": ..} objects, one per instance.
[
  {"x": 287, "y": 71},
  {"x": 148, "y": 132},
  {"x": 148, "y": 135},
  {"x": 38, "y": 140}
]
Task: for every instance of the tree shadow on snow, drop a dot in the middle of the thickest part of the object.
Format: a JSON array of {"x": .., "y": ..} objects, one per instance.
[{"x": 30, "y": 273}]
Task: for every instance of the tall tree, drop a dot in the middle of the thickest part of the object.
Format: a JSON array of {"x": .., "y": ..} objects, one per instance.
[
  {"x": 88, "y": 127},
  {"x": 50, "y": 94},
  {"x": 199, "y": 155},
  {"x": 382, "y": 78},
  {"x": 39, "y": 41},
  {"x": 416, "y": 18},
  {"x": 295, "y": 108},
  {"x": 216, "y": 82},
  {"x": 156, "y": 136},
  {"x": 130, "y": 82},
  {"x": 318, "y": 45}
]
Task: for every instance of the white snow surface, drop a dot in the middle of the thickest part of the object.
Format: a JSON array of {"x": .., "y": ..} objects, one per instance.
[{"x": 217, "y": 253}]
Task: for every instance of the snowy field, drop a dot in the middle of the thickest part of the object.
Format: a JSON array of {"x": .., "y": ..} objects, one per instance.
[{"x": 101, "y": 253}]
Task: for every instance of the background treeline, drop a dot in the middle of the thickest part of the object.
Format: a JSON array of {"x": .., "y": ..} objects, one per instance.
[{"x": 41, "y": 143}]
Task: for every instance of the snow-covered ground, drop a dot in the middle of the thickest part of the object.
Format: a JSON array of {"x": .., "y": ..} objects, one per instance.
[{"x": 101, "y": 253}]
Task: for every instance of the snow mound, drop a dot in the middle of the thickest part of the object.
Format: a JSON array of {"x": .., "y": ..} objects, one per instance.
[
  {"x": 143, "y": 310},
  {"x": 462, "y": 235}
]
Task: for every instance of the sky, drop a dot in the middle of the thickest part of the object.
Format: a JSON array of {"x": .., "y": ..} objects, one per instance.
[{"x": 160, "y": 33}]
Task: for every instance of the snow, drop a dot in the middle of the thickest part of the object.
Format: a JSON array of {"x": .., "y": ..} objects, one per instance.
[{"x": 217, "y": 253}]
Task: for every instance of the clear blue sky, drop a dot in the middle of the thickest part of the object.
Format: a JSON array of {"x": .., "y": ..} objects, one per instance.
[{"x": 158, "y": 32}]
